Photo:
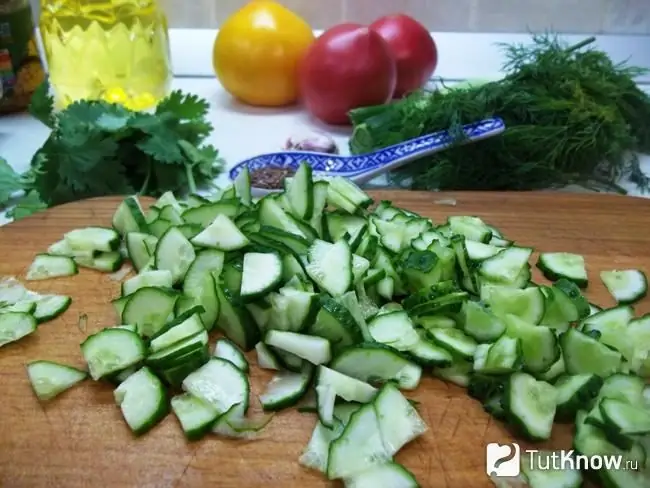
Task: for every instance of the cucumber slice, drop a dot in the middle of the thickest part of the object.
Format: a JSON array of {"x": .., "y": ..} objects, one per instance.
[
  {"x": 506, "y": 266},
  {"x": 300, "y": 192},
  {"x": 394, "y": 329},
  {"x": 477, "y": 251},
  {"x": 625, "y": 387},
  {"x": 480, "y": 323},
  {"x": 426, "y": 353},
  {"x": 48, "y": 307},
  {"x": 504, "y": 356},
  {"x": 107, "y": 262},
  {"x": 611, "y": 326},
  {"x": 156, "y": 278},
  {"x": 262, "y": 274},
  {"x": 330, "y": 266},
  {"x": 391, "y": 475},
  {"x": 314, "y": 349},
  {"x": 530, "y": 404},
  {"x": 129, "y": 217},
  {"x": 137, "y": 246},
  {"x": 174, "y": 253},
  {"x": 458, "y": 373},
  {"x": 221, "y": 234},
  {"x": 265, "y": 357},
  {"x": 149, "y": 309},
  {"x": 286, "y": 388},
  {"x": 207, "y": 261},
  {"x": 360, "y": 446},
  {"x": 236, "y": 322},
  {"x": 272, "y": 214},
  {"x": 195, "y": 416},
  {"x": 325, "y": 399},
  {"x": 556, "y": 265},
  {"x": 242, "y": 185},
  {"x": 351, "y": 192},
  {"x": 373, "y": 362},
  {"x": 112, "y": 350},
  {"x": 142, "y": 400},
  {"x": 540, "y": 471},
  {"x": 527, "y": 304},
  {"x": 225, "y": 349},
  {"x": 93, "y": 239},
  {"x": 220, "y": 384},
  {"x": 46, "y": 266},
  {"x": 399, "y": 421},
  {"x": 15, "y": 326},
  {"x": 626, "y": 286},
  {"x": 48, "y": 379},
  {"x": 625, "y": 418},
  {"x": 455, "y": 341},
  {"x": 473, "y": 228},
  {"x": 575, "y": 392},
  {"x": 346, "y": 387},
  {"x": 185, "y": 326},
  {"x": 204, "y": 215},
  {"x": 539, "y": 345},
  {"x": 316, "y": 453},
  {"x": 584, "y": 354}
]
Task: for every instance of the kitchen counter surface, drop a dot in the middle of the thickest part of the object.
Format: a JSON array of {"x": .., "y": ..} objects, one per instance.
[{"x": 241, "y": 132}]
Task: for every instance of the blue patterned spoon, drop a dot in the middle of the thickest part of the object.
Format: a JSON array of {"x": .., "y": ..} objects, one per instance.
[{"x": 364, "y": 167}]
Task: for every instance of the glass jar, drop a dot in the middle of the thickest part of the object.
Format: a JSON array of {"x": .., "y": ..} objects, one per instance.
[
  {"x": 21, "y": 70},
  {"x": 112, "y": 50}
]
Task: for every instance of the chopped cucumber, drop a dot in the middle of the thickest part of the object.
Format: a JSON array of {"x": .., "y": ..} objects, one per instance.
[
  {"x": 143, "y": 400},
  {"x": 49, "y": 379},
  {"x": 225, "y": 349},
  {"x": 531, "y": 405},
  {"x": 195, "y": 416},
  {"x": 221, "y": 234},
  {"x": 112, "y": 350},
  {"x": 46, "y": 266},
  {"x": 286, "y": 388},
  {"x": 220, "y": 384},
  {"x": 330, "y": 266},
  {"x": 15, "y": 326},
  {"x": 314, "y": 349},
  {"x": 174, "y": 253},
  {"x": 262, "y": 274},
  {"x": 556, "y": 265},
  {"x": 373, "y": 362},
  {"x": 626, "y": 286}
]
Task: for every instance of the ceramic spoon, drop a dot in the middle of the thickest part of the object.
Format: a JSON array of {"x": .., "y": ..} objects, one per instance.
[{"x": 364, "y": 167}]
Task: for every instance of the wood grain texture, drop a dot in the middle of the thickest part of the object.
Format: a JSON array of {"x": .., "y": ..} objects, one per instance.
[{"x": 80, "y": 440}]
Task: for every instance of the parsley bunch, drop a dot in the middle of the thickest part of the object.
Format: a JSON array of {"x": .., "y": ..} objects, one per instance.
[{"x": 97, "y": 149}]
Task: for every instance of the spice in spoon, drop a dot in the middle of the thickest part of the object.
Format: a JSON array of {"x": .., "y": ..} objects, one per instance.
[{"x": 270, "y": 178}]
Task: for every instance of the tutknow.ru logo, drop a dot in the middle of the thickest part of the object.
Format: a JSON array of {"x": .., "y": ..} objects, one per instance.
[{"x": 504, "y": 460}]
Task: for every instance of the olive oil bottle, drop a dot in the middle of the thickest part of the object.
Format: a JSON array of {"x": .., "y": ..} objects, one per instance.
[{"x": 112, "y": 50}]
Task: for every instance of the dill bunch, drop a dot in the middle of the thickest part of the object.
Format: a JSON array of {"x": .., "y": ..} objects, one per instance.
[{"x": 572, "y": 117}]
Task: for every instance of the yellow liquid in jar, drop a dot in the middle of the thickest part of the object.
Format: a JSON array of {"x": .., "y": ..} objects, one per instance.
[{"x": 112, "y": 50}]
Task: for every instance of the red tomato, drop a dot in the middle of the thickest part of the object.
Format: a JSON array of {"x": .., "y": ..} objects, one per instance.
[
  {"x": 412, "y": 46},
  {"x": 348, "y": 66}
]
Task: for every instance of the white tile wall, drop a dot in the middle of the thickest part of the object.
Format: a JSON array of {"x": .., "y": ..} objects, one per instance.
[{"x": 562, "y": 16}]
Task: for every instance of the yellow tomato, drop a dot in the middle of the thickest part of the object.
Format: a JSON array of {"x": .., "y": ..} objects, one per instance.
[{"x": 257, "y": 52}]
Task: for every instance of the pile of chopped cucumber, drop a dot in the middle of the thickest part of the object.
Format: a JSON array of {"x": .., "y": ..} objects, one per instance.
[
  {"x": 22, "y": 310},
  {"x": 350, "y": 303}
]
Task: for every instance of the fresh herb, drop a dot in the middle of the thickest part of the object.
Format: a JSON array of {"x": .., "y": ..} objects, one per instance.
[
  {"x": 96, "y": 149},
  {"x": 572, "y": 116}
]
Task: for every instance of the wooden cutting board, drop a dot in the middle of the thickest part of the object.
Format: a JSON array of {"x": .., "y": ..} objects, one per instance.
[{"x": 80, "y": 440}]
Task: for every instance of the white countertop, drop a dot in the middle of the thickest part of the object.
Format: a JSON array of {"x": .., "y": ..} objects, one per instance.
[{"x": 241, "y": 132}]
